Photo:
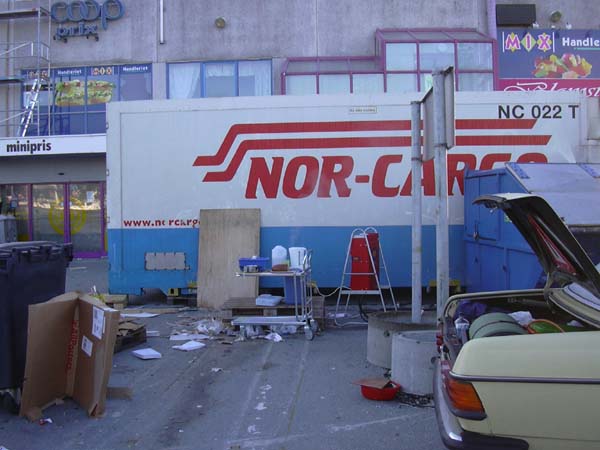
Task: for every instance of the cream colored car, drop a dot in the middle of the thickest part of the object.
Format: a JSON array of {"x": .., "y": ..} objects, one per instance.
[{"x": 531, "y": 381}]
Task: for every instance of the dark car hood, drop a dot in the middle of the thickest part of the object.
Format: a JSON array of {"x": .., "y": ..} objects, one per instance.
[{"x": 559, "y": 253}]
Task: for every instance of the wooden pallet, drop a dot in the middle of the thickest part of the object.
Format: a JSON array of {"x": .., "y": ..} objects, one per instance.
[
  {"x": 115, "y": 301},
  {"x": 236, "y": 307}
]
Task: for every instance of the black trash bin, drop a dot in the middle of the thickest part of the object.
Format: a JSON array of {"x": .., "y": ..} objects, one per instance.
[{"x": 30, "y": 273}]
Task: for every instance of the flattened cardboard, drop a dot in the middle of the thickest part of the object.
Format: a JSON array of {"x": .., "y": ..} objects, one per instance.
[{"x": 56, "y": 364}]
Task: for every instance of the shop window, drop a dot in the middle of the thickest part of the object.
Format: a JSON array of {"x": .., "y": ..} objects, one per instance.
[
  {"x": 184, "y": 80},
  {"x": 436, "y": 56},
  {"x": 401, "y": 82},
  {"x": 48, "y": 212},
  {"x": 334, "y": 84},
  {"x": 14, "y": 200},
  {"x": 135, "y": 84},
  {"x": 368, "y": 83},
  {"x": 474, "y": 56},
  {"x": 41, "y": 210},
  {"x": 405, "y": 59},
  {"x": 301, "y": 84},
  {"x": 219, "y": 79},
  {"x": 80, "y": 96},
  {"x": 426, "y": 82},
  {"x": 254, "y": 78},
  {"x": 86, "y": 217},
  {"x": 475, "y": 82},
  {"x": 401, "y": 56}
]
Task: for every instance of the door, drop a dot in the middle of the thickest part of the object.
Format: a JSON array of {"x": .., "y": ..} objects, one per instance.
[
  {"x": 85, "y": 225},
  {"x": 48, "y": 212},
  {"x": 15, "y": 200}
]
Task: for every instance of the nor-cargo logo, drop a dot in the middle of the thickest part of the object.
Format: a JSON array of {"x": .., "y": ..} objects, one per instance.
[{"x": 325, "y": 176}]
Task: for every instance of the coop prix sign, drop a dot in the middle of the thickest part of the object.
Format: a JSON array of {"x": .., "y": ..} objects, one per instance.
[{"x": 83, "y": 17}]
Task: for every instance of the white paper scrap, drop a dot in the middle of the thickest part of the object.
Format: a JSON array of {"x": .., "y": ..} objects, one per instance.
[
  {"x": 188, "y": 337},
  {"x": 152, "y": 333},
  {"x": 86, "y": 346},
  {"x": 274, "y": 337},
  {"x": 147, "y": 353},
  {"x": 98, "y": 322},
  {"x": 189, "y": 346},
  {"x": 139, "y": 315}
]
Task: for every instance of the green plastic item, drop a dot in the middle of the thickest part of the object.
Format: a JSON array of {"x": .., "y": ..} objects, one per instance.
[
  {"x": 494, "y": 324},
  {"x": 541, "y": 327}
]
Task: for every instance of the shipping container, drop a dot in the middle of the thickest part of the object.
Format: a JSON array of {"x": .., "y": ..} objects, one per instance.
[{"x": 316, "y": 166}]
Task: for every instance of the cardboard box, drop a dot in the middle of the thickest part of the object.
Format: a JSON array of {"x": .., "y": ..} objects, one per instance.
[{"x": 70, "y": 342}]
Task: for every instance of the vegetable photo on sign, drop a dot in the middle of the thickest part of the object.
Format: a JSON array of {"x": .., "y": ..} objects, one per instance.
[
  {"x": 70, "y": 93},
  {"x": 568, "y": 66},
  {"x": 99, "y": 91}
]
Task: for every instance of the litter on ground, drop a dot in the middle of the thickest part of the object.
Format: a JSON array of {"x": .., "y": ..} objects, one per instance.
[
  {"x": 147, "y": 353},
  {"x": 189, "y": 346}
]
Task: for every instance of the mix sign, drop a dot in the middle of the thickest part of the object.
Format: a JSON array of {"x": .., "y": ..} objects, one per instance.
[{"x": 556, "y": 60}]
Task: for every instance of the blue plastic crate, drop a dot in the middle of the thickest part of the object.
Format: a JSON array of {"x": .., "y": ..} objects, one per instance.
[{"x": 260, "y": 262}]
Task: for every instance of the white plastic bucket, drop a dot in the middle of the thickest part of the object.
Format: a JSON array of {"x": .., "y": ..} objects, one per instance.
[
  {"x": 297, "y": 255},
  {"x": 279, "y": 258}
]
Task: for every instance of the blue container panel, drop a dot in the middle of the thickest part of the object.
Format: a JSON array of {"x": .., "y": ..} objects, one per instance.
[
  {"x": 127, "y": 249},
  {"x": 524, "y": 270},
  {"x": 291, "y": 295},
  {"x": 497, "y": 256}
]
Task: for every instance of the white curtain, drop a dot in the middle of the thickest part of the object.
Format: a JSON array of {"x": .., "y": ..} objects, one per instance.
[
  {"x": 184, "y": 80},
  {"x": 256, "y": 74}
]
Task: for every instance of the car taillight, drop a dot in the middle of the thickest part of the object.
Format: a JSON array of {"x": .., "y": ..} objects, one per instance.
[
  {"x": 463, "y": 398},
  {"x": 439, "y": 336}
]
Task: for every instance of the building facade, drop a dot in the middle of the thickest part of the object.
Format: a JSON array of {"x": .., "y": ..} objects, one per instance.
[{"x": 63, "y": 61}]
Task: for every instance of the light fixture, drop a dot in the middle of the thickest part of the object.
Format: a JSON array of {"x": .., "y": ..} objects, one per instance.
[
  {"x": 220, "y": 22},
  {"x": 535, "y": 25},
  {"x": 555, "y": 16}
]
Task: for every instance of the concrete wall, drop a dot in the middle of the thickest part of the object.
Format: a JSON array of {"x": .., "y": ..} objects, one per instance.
[
  {"x": 270, "y": 28},
  {"x": 275, "y": 29}
]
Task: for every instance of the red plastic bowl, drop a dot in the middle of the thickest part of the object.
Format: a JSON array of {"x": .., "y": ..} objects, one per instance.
[{"x": 386, "y": 393}]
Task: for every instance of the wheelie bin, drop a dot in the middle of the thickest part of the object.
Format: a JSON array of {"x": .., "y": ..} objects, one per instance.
[{"x": 30, "y": 272}]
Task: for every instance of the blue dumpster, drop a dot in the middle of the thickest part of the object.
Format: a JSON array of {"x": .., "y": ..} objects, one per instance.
[{"x": 497, "y": 257}]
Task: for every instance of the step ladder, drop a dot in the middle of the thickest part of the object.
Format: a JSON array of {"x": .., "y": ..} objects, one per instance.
[
  {"x": 34, "y": 94},
  {"x": 382, "y": 282}
]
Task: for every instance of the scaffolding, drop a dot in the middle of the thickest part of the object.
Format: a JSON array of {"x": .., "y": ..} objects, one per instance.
[{"x": 25, "y": 88}]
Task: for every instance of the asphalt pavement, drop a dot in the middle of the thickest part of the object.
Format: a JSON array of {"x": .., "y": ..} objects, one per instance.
[{"x": 257, "y": 394}]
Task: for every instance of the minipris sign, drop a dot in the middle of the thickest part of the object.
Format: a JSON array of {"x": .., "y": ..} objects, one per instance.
[{"x": 81, "y": 17}]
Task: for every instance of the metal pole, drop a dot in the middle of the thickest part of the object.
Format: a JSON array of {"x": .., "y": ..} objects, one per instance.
[
  {"x": 161, "y": 22},
  {"x": 491, "y": 16},
  {"x": 416, "y": 163},
  {"x": 441, "y": 191}
]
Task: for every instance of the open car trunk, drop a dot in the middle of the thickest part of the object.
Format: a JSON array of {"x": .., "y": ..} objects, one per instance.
[
  {"x": 550, "y": 318},
  {"x": 538, "y": 381}
]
